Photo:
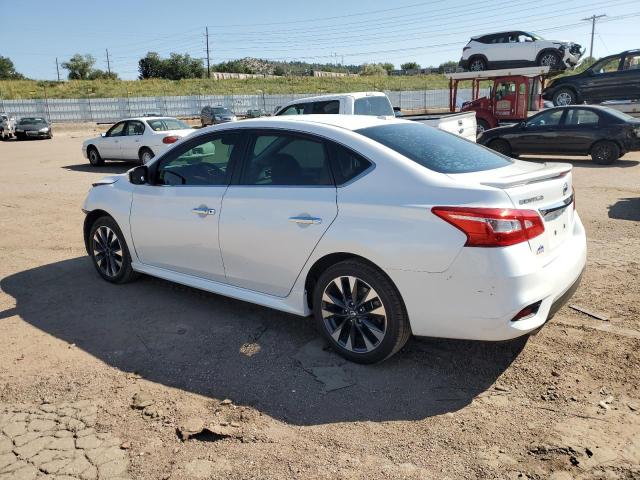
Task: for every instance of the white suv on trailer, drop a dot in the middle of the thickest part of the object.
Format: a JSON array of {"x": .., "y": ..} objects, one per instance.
[{"x": 518, "y": 49}]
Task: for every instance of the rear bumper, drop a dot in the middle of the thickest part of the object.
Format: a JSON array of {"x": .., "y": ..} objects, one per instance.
[{"x": 484, "y": 289}]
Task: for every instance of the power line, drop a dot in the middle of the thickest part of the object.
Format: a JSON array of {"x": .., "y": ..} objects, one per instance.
[{"x": 593, "y": 19}]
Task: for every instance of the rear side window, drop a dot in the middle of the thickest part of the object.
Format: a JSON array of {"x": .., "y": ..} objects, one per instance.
[
  {"x": 377, "y": 105},
  {"x": 434, "y": 149},
  {"x": 581, "y": 117},
  {"x": 332, "y": 106},
  {"x": 286, "y": 159},
  {"x": 348, "y": 165}
]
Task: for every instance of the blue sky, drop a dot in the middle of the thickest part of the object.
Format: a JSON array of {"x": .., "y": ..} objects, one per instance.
[{"x": 33, "y": 33}]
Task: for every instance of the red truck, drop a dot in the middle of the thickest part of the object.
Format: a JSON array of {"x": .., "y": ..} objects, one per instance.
[{"x": 513, "y": 94}]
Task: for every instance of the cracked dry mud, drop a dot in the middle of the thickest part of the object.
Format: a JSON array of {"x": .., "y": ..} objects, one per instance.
[{"x": 58, "y": 442}]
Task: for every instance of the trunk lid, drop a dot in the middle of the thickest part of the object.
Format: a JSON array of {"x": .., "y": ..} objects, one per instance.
[{"x": 544, "y": 187}]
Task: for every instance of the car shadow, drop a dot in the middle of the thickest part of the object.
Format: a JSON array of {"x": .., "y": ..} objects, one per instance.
[
  {"x": 108, "y": 167},
  {"x": 223, "y": 348},
  {"x": 585, "y": 162},
  {"x": 626, "y": 209}
]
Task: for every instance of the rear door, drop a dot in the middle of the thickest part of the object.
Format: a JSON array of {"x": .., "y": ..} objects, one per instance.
[
  {"x": 577, "y": 130},
  {"x": 276, "y": 211},
  {"x": 603, "y": 81},
  {"x": 629, "y": 77}
]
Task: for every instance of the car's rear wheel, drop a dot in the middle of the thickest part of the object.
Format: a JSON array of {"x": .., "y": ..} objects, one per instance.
[
  {"x": 500, "y": 146},
  {"x": 109, "y": 251},
  {"x": 605, "y": 152},
  {"x": 360, "y": 312},
  {"x": 145, "y": 155},
  {"x": 94, "y": 156},
  {"x": 477, "y": 64},
  {"x": 564, "y": 96},
  {"x": 549, "y": 59}
]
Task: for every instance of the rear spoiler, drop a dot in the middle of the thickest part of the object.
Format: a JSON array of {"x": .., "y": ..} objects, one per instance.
[{"x": 549, "y": 171}]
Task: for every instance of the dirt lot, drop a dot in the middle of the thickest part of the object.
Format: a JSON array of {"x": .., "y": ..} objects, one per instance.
[{"x": 97, "y": 379}]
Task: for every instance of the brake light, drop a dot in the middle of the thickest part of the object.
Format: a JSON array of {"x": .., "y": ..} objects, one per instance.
[
  {"x": 170, "y": 139},
  {"x": 492, "y": 227}
]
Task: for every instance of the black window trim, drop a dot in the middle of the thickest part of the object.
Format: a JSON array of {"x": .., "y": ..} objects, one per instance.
[
  {"x": 549, "y": 111},
  {"x": 334, "y": 163},
  {"x": 124, "y": 122},
  {"x": 191, "y": 143}
]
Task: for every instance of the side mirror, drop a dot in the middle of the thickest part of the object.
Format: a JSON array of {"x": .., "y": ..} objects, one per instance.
[
  {"x": 139, "y": 175},
  {"x": 103, "y": 134},
  {"x": 523, "y": 125}
]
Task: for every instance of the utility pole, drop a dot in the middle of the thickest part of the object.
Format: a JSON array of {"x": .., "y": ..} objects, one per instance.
[
  {"x": 208, "y": 66},
  {"x": 108, "y": 62},
  {"x": 57, "y": 69},
  {"x": 593, "y": 19}
]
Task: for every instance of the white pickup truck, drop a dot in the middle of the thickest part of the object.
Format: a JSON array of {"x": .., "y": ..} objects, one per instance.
[
  {"x": 378, "y": 104},
  {"x": 7, "y": 126}
]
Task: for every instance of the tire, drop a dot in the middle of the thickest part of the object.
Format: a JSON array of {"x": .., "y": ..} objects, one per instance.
[
  {"x": 549, "y": 59},
  {"x": 20, "y": 136},
  {"x": 369, "y": 337},
  {"x": 477, "y": 64},
  {"x": 605, "y": 152},
  {"x": 145, "y": 155},
  {"x": 481, "y": 126},
  {"x": 109, "y": 252},
  {"x": 564, "y": 96},
  {"x": 50, "y": 136},
  {"x": 94, "y": 157},
  {"x": 500, "y": 146}
]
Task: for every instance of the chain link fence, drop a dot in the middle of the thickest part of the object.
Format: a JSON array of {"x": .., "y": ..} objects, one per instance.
[{"x": 107, "y": 110}]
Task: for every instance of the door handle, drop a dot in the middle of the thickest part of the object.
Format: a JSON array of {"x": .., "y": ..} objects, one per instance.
[
  {"x": 204, "y": 211},
  {"x": 305, "y": 220}
]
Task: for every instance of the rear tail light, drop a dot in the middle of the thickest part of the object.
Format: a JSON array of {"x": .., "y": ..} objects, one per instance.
[
  {"x": 492, "y": 227},
  {"x": 170, "y": 139}
]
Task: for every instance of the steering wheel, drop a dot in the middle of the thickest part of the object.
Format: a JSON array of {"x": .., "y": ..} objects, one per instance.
[{"x": 207, "y": 170}]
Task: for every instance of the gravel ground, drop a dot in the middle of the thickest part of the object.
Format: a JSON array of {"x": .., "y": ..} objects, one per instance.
[{"x": 157, "y": 381}]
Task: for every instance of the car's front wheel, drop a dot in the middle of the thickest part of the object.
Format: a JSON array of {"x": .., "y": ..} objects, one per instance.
[
  {"x": 500, "y": 146},
  {"x": 549, "y": 59},
  {"x": 109, "y": 251},
  {"x": 481, "y": 126},
  {"x": 360, "y": 312},
  {"x": 564, "y": 96},
  {"x": 94, "y": 156},
  {"x": 605, "y": 152}
]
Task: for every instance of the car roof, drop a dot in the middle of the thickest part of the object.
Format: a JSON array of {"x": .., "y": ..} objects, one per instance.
[
  {"x": 347, "y": 122},
  {"x": 146, "y": 118},
  {"x": 332, "y": 96}
]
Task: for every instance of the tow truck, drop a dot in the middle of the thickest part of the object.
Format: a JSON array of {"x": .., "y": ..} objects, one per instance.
[{"x": 514, "y": 93}]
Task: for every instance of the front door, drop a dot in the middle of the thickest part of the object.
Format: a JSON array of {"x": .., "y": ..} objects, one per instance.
[
  {"x": 109, "y": 147},
  {"x": 130, "y": 142},
  {"x": 602, "y": 82},
  {"x": 174, "y": 221},
  {"x": 505, "y": 99},
  {"x": 277, "y": 211},
  {"x": 540, "y": 134},
  {"x": 629, "y": 77}
]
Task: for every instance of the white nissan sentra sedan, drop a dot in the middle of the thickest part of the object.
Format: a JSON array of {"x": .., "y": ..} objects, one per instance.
[
  {"x": 380, "y": 228},
  {"x": 139, "y": 139}
]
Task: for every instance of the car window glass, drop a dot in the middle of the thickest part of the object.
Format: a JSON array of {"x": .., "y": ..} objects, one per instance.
[
  {"x": 117, "y": 130},
  {"x": 285, "y": 159},
  {"x": 505, "y": 88},
  {"x": 631, "y": 62},
  {"x": 435, "y": 149},
  {"x": 550, "y": 118},
  {"x": 205, "y": 163},
  {"x": 166, "y": 124},
  {"x": 377, "y": 105},
  {"x": 348, "y": 164},
  {"x": 134, "y": 128},
  {"x": 606, "y": 66},
  {"x": 331, "y": 106},
  {"x": 293, "y": 110},
  {"x": 581, "y": 117}
]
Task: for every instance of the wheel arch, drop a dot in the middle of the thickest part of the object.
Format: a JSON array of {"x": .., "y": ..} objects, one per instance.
[
  {"x": 478, "y": 55},
  {"x": 321, "y": 264},
  {"x": 89, "y": 220},
  {"x": 612, "y": 140},
  {"x": 145, "y": 147},
  {"x": 547, "y": 50}
]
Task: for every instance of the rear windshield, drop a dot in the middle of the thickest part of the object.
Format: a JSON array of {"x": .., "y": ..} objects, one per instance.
[
  {"x": 437, "y": 150},
  {"x": 165, "y": 124},
  {"x": 377, "y": 105},
  {"x": 618, "y": 114}
]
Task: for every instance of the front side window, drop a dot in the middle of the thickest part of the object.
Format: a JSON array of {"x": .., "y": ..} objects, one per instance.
[
  {"x": 546, "y": 119},
  {"x": 293, "y": 110},
  {"x": 504, "y": 89},
  {"x": 434, "y": 149},
  {"x": 117, "y": 130},
  {"x": 286, "y": 159},
  {"x": 204, "y": 163},
  {"x": 606, "y": 66},
  {"x": 581, "y": 117},
  {"x": 377, "y": 106}
]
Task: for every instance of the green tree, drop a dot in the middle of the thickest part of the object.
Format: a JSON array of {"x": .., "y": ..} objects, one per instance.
[
  {"x": 79, "y": 66},
  {"x": 388, "y": 66},
  {"x": 7, "y": 70},
  {"x": 410, "y": 66},
  {"x": 279, "y": 71},
  {"x": 179, "y": 66},
  {"x": 150, "y": 66},
  {"x": 372, "y": 69},
  {"x": 448, "y": 66},
  {"x": 98, "y": 74}
]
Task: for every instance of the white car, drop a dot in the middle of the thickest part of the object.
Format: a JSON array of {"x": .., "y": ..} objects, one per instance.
[
  {"x": 7, "y": 126},
  {"x": 380, "y": 228},
  {"x": 516, "y": 48},
  {"x": 140, "y": 138}
]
